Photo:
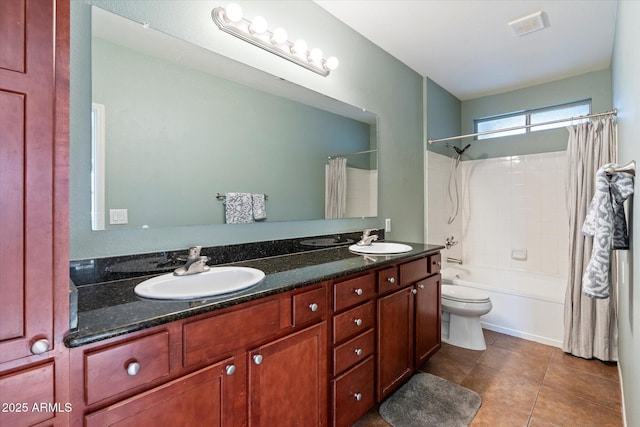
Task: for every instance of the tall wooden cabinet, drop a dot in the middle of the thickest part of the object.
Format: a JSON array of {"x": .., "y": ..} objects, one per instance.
[{"x": 34, "y": 79}]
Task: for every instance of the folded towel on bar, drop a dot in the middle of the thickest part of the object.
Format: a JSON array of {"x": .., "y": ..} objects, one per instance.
[
  {"x": 606, "y": 223},
  {"x": 259, "y": 207},
  {"x": 238, "y": 208}
]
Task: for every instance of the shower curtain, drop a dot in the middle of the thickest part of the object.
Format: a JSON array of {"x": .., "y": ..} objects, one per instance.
[
  {"x": 590, "y": 325},
  {"x": 336, "y": 190}
]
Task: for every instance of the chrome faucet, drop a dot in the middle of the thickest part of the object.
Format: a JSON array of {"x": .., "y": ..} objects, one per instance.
[
  {"x": 195, "y": 263},
  {"x": 367, "y": 238},
  {"x": 449, "y": 242}
]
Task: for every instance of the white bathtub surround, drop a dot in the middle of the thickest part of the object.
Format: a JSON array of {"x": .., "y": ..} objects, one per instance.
[
  {"x": 525, "y": 305},
  {"x": 515, "y": 213},
  {"x": 514, "y": 238},
  {"x": 439, "y": 208}
]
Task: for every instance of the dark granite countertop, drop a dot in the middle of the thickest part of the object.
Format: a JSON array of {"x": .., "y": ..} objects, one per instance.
[{"x": 110, "y": 309}]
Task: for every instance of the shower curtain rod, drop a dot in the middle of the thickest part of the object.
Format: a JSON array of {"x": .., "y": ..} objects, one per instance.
[
  {"x": 586, "y": 116},
  {"x": 351, "y": 154}
]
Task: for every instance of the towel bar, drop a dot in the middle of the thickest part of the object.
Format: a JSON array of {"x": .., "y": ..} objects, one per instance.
[{"x": 221, "y": 196}]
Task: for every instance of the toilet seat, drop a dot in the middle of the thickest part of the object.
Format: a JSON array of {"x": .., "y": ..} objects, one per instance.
[{"x": 463, "y": 294}]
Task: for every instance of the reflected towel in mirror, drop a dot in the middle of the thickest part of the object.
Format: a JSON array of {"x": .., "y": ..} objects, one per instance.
[
  {"x": 238, "y": 208},
  {"x": 259, "y": 207}
]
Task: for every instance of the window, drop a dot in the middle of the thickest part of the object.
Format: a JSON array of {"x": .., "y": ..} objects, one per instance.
[{"x": 532, "y": 117}]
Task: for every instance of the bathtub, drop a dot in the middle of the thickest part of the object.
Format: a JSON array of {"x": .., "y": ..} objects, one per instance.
[{"x": 525, "y": 305}]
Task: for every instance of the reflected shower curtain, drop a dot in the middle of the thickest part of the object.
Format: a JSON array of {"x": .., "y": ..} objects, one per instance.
[
  {"x": 336, "y": 190},
  {"x": 590, "y": 325}
]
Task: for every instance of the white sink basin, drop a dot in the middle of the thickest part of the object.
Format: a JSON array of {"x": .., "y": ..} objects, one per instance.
[
  {"x": 216, "y": 281},
  {"x": 381, "y": 248}
]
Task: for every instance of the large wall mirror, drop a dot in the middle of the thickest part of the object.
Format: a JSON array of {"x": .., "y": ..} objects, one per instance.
[{"x": 177, "y": 127}]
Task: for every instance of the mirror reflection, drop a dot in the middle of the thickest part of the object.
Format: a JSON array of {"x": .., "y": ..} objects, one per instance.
[{"x": 178, "y": 129}]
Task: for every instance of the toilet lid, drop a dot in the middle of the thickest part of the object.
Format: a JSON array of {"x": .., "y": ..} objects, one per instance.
[{"x": 463, "y": 294}]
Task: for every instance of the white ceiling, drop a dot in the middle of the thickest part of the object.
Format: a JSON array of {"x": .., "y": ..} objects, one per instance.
[{"x": 467, "y": 47}]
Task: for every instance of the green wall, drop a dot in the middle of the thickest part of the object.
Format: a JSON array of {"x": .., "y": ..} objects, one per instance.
[
  {"x": 595, "y": 85},
  {"x": 443, "y": 117},
  {"x": 626, "y": 98},
  {"x": 367, "y": 77}
]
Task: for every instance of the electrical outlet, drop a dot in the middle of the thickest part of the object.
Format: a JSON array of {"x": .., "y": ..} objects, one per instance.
[
  {"x": 387, "y": 225},
  {"x": 118, "y": 216}
]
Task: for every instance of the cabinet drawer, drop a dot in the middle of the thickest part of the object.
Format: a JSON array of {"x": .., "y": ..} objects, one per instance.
[
  {"x": 310, "y": 306},
  {"x": 113, "y": 370},
  {"x": 202, "y": 398},
  {"x": 352, "y": 352},
  {"x": 353, "y": 394},
  {"x": 353, "y": 322},
  {"x": 216, "y": 337},
  {"x": 388, "y": 280},
  {"x": 23, "y": 390},
  {"x": 435, "y": 261},
  {"x": 414, "y": 270},
  {"x": 352, "y": 292}
]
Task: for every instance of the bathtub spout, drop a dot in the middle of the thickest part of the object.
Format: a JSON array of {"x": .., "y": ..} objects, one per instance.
[{"x": 454, "y": 260}]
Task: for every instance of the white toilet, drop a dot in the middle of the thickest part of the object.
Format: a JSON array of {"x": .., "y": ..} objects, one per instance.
[{"x": 461, "y": 310}]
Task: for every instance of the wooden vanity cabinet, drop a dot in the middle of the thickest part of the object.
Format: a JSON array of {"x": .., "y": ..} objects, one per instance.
[
  {"x": 352, "y": 348},
  {"x": 408, "y": 322},
  {"x": 204, "y": 397},
  {"x": 287, "y": 383},
  {"x": 428, "y": 330},
  {"x": 260, "y": 363}
]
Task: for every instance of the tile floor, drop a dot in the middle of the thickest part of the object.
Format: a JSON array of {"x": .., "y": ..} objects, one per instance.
[{"x": 524, "y": 383}]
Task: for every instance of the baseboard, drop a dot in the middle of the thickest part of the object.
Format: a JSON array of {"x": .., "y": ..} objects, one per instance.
[
  {"x": 524, "y": 335},
  {"x": 624, "y": 413}
]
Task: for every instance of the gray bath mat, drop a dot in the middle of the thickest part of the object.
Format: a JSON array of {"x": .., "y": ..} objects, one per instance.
[{"x": 427, "y": 400}]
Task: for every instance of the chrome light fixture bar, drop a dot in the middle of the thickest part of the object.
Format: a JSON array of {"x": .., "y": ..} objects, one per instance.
[{"x": 230, "y": 20}]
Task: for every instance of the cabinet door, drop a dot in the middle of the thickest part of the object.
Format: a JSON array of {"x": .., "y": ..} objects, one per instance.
[
  {"x": 26, "y": 176},
  {"x": 428, "y": 329},
  {"x": 395, "y": 340},
  {"x": 203, "y": 398},
  {"x": 288, "y": 380}
]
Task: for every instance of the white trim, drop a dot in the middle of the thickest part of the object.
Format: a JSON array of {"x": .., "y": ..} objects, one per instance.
[{"x": 98, "y": 146}]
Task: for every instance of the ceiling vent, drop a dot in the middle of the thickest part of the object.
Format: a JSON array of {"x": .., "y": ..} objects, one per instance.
[{"x": 528, "y": 24}]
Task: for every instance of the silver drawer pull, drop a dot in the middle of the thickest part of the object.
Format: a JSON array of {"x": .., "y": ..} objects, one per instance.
[
  {"x": 414, "y": 291},
  {"x": 257, "y": 359},
  {"x": 358, "y": 396},
  {"x": 358, "y": 291},
  {"x": 358, "y": 322},
  {"x": 439, "y": 263},
  {"x": 358, "y": 351},
  {"x": 230, "y": 369},
  {"x": 313, "y": 307},
  {"x": 133, "y": 368},
  {"x": 391, "y": 279},
  {"x": 40, "y": 346},
  {"x": 421, "y": 286}
]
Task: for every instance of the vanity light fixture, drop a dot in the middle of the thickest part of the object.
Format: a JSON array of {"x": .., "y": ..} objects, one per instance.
[{"x": 230, "y": 20}]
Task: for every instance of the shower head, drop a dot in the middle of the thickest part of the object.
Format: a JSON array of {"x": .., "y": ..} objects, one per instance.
[{"x": 459, "y": 150}]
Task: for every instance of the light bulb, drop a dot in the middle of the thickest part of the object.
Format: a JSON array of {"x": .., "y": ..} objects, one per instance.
[
  {"x": 315, "y": 55},
  {"x": 279, "y": 36},
  {"x": 258, "y": 25},
  {"x": 331, "y": 63},
  {"x": 299, "y": 47},
  {"x": 233, "y": 12}
]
